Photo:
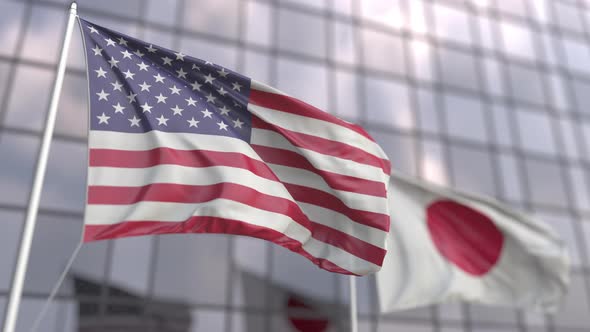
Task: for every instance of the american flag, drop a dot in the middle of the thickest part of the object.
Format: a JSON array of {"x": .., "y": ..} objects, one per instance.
[{"x": 182, "y": 145}]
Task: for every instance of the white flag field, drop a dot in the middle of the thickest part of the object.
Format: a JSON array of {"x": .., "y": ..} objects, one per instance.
[{"x": 447, "y": 246}]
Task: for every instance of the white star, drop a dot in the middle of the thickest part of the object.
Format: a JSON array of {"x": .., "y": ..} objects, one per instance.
[
  {"x": 210, "y": 98},
  {"x": 126, "y": 54},
  {"x": 159, "y": 78},
  {"x": 138, "y": 53},
  {"x": 143, "y": 66},
  {"x": 224, "y": 110},
  {"x": 236, "y": 86},
  {"x": 162, "y": 120},
  {"x": 193, "y": 123},
  {"x": 151, "y": 49},
  {"x": 131, "y": 96},
  {"x": 100, "y": 72},
  {"x": 207, "y": 62},
  {"x": 181, "y": 73},
  {"x": 103, "y": 118},
  {"x": 222, "y": 125},
  {"x": 118, "y": 108},
  {"x": 191, "y": 101},
  {"x": 222, "y": 91},
  {"x": 167, "y": 61},
  {"x": 146, "y": 108},
  {"x": 110, "y": 42},
  {"x": 117, "y": 86},
  {"x": 196, "y": 86},
  {"x": 134, "y": 121},
  {"x": 222, "y": 72},
  {"x": 97, "y": 50},
  {"x": 175, "y": 90},
  {"x": 161, "y": 98},
  {"x": 122, "y": 41},
  {"x": 209, "y": 78},
  {"x": 177, "y": 110},
  {"x": 92, "y": 29},
  {"x": 128, "y": 74},
  {"x": 206, "y": 114},
  {"x": 145, "y": 87},
  {"x": 238, "y": 123},
  {"x": 113, "y": 62},
  {"x": 179, "y": 56},
  {"x": 102, "y": 95},
  {"x": 194, "y": 66}
]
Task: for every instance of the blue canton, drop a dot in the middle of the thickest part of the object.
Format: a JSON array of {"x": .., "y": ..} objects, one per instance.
[{"x": 137, "y": 87}]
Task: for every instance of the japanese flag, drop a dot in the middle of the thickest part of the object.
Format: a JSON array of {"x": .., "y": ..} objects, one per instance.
[{"x": 446, "y": 245}]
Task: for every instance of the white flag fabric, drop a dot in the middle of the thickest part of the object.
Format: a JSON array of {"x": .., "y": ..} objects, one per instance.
[{"x": 446, "y": 246}]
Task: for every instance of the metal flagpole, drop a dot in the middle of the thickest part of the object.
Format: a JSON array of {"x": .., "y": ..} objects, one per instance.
[
  {"x": 18, "y": 278},
  {"x": 353, "y": 307}
]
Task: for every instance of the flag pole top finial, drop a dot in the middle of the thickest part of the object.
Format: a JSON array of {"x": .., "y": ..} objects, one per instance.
[{"x": 73, "y": 7}]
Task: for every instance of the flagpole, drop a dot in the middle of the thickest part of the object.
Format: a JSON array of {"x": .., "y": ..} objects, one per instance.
[
  {"x": 18, "y": 277},
  {"x": 353, "y": 307}
]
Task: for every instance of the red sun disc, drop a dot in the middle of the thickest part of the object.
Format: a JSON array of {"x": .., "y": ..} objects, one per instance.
[{"x": 464, "y": 236}]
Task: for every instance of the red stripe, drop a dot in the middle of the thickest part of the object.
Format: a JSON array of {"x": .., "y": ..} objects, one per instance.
[
  {"x": 178, "y": 193},
  {"x": 295, "y": 106},
  {"x": 353, "y": 245},
  {"x": 204, "y": 225},
  {"x": 325, "y": 146},
  {"x": 334, "y": 180},
  {"x": 189, "y": 158},
  {"x": 321, "y": 198}
]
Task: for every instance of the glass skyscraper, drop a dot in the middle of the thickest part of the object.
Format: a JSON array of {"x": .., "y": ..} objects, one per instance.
[{"x": 488, "y": 96}]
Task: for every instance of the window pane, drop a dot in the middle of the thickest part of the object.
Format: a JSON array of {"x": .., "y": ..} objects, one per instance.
[
  {"x": 536, "y": 131},
  {"x": 386, "y": 12},
  {"x": 11, "y": 16},
  {"x": 550, "y": 190},
  {"x": 30, "y": 97},
  {"x": 193, "y": 268},
  {"x": 517, "y": 40},
  {"x": 476, "y": 175},
  {"x": 302, "y": 33},
  {"x": 458, "y": 69},
  {"x": 388, "y": 103},
  {"x": 258, "y": 27},
  {"x": 343, "y": 43},
  {"x": 452, "y": 24},
  {"x": 346, "y": 96},
  {"x": 44, "y": 35},
  {"x": 11, "y": 224},
  {"x": 383, "y": 52},
  {"x": 526, "y": 85},
  {"x": 205, "y": 16},
  {"x": 16, "y": 172},
  {"x": 465, "y": 118},
  {"x": 305, "y": 81}
]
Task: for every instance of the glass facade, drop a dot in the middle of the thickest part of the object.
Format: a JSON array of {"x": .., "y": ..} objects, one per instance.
[{"x": 489, "y": 96}]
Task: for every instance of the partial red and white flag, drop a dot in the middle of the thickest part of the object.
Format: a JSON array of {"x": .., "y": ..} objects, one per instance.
[
  {"x": 182, "y": 145},
  {"x": 447, "y": 246}
]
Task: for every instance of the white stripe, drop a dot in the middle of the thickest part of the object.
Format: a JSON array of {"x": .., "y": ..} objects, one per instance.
[
  {"x": 221, "y": 208},
  {"x": 353, "y": 200},
  {"x": 180, "y": 141},
  {"x": 342, "y": 223},
  {"x": 320, "y": 161},
  {"x": 255, "y": 85},
  {"x": 202, "y": 176},
  {"x": 319, "y": 128}
]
